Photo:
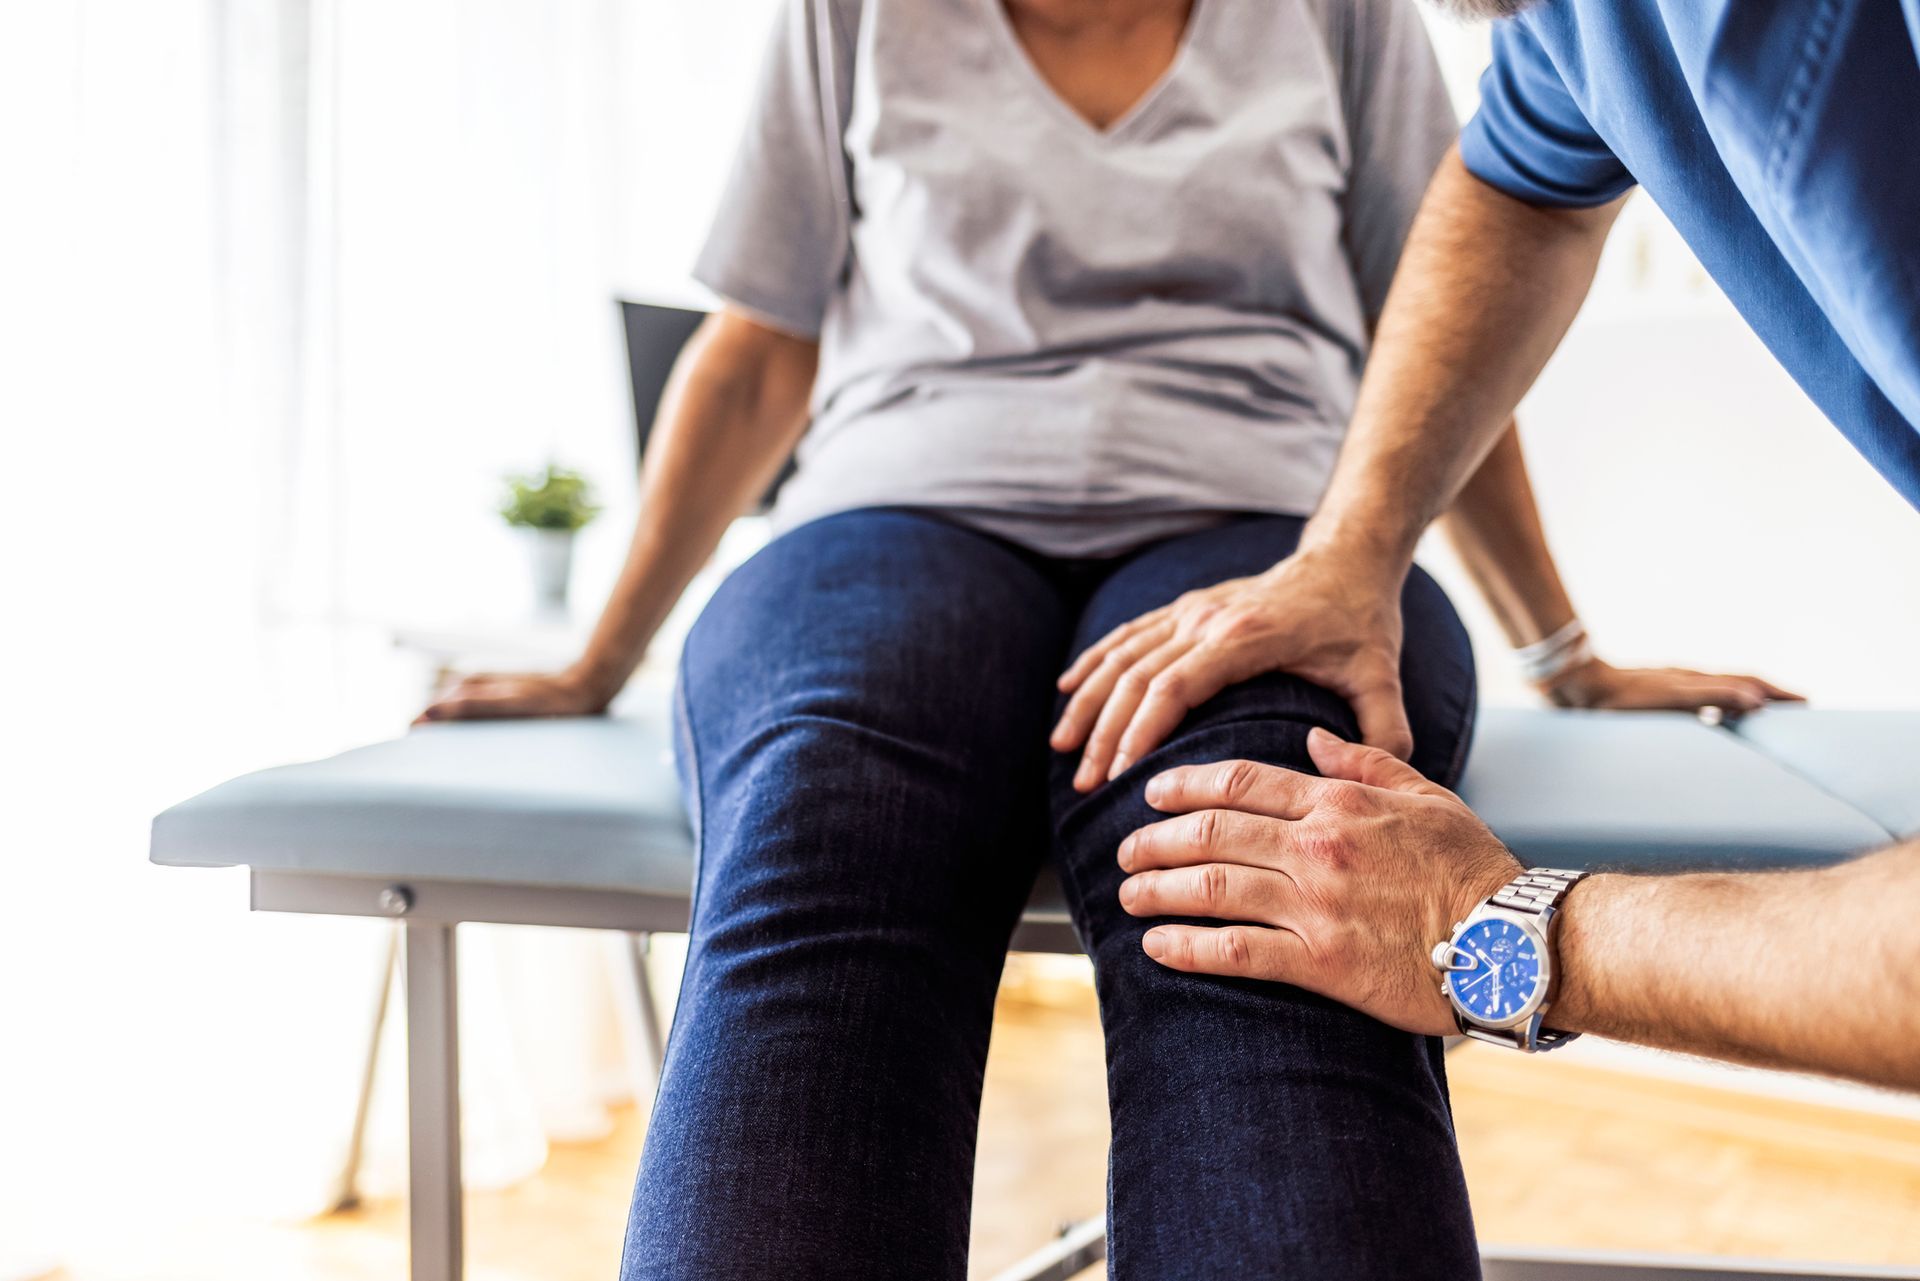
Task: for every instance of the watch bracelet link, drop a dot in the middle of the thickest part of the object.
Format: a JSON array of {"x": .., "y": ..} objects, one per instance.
[
  {"x": 1546, "y": 1039},
  {"x": 1537, "y": 891}
]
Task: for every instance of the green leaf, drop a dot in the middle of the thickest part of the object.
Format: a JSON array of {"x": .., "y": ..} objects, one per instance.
[{"x": 553, "y": 499}]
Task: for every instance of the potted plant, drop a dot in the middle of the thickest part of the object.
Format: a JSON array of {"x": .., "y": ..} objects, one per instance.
[{"x": 552, "y": 506}]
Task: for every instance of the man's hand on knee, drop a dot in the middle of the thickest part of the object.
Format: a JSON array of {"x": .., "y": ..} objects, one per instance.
[{"x": 1339, "y": 884}]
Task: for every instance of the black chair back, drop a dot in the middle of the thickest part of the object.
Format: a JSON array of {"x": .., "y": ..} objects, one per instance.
[{"x": 655, "y": 337}]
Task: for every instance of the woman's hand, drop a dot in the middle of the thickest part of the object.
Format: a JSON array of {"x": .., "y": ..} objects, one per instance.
[
  {"x": 491, "y": 696},
  {"x": 1598, "y": 684},
  {"x": 1321, "y": 619}
]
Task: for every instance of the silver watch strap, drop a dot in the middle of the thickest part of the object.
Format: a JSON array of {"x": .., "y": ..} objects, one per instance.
[
  {"x": 1537, "y": 891},
  {"x": 1546, "y": 1038}
]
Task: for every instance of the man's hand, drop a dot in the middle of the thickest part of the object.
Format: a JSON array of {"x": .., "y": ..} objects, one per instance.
[
  {"x": 1317, "y": 615},
  {"x": 1340, "y": 885}
]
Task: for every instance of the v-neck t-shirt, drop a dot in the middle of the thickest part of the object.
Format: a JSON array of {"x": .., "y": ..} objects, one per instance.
[{"x": 1077, "y": 338}]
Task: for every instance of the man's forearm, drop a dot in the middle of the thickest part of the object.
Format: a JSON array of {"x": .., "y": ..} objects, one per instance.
[
  {"x": 1486, "y": 288},
  {"x": 1815, "y": 970}
]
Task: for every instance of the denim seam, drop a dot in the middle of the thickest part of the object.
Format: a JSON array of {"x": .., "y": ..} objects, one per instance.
[
  {"x": 684, "y": 706},
  {"x": 1069, "y": 880},
  {"x": 1083, "y": 929}
]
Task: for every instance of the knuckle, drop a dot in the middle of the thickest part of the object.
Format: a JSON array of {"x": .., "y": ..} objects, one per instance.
[
  {"x": 1234, "y": 781},
  {"x": 1133, "y": 683},
  {"x": 1210, "y": 887},
  {"x": 1206, "y": 831},
  {"x": 1167, "y": 685},
  {"x": 1343, "y": 799},
  {"x": 1199, "y": 613},
  {"x": 1326, "y": 846},
  {"x": 1235, "y": 950},
  {"x": 1238, "y": 624}
]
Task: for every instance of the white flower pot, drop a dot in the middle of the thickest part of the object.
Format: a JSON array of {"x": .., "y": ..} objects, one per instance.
[{"x": 550, "y": 553}]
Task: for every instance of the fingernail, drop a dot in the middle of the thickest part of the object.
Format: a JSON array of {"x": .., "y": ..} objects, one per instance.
[
  {"x": 1083, "y": 777},
  {"x": 1154, "y": 944},
  {"x": 1325, "y": 737},
  {"x": 1120, "y": 764},
  {"x": 1128, "y": 891},
  {"x": 1125, "y": 854},
  {"x": 1156, "y": 789}
]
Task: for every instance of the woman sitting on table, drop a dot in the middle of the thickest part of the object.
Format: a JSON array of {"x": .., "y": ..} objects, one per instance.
[{"x": 1064, "y": 303}]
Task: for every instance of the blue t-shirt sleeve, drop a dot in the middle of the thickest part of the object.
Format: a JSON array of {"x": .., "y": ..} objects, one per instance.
[{"x": 1530, "y": 139}]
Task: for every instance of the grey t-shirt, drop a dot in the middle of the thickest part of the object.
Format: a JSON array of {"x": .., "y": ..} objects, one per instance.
[{"x": 1077, "y": 339}]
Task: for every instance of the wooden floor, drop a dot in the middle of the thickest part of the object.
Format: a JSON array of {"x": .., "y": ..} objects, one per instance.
[{"x": 1640, "y": 1163}]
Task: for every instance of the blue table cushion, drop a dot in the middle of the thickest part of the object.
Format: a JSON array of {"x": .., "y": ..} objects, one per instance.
[
  {"x": 1869, "y": 759},
  {"x": 1649, "y": 791},
  {"x": 593, "y": 802},
  {"x": 580, "y": 802}
]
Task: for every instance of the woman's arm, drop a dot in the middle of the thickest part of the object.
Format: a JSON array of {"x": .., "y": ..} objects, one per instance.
[
  {"x": 1495, "y": 526},
  {"x": 733, "y": 411}
]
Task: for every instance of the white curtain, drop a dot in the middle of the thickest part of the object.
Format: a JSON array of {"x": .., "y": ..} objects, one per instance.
[
  {"x": 285, "y": 286},
  {"x": 419, "y": 294}
]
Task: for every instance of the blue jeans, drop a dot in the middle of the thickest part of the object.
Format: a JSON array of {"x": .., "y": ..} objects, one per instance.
[{"x": 865, "y": 708}]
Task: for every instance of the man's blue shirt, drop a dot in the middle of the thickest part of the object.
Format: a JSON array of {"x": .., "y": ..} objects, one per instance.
[{"x": 1782, "y": 139}]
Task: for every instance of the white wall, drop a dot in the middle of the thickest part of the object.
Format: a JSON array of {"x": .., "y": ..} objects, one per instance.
[{"x": 1705, "y": 514}]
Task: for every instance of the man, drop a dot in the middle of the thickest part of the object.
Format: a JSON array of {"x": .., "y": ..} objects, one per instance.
[{"x": 1783, "y": 140}]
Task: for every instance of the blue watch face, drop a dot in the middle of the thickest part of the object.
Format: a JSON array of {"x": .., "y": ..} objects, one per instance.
[{"x": 1499, "y": 970}]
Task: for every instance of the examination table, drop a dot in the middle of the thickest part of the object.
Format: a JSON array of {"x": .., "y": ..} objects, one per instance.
[{"x": 578, "y": 823}]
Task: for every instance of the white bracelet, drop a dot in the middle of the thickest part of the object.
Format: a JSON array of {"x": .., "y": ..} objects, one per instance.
[{"x": 1556, "y": 655}]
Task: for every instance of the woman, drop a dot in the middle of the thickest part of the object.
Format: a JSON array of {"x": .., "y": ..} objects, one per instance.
[{"x": 1065, "y": 303}]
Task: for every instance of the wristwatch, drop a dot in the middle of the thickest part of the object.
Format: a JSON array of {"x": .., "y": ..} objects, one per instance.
[{"x": 1497, "y": 969}]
